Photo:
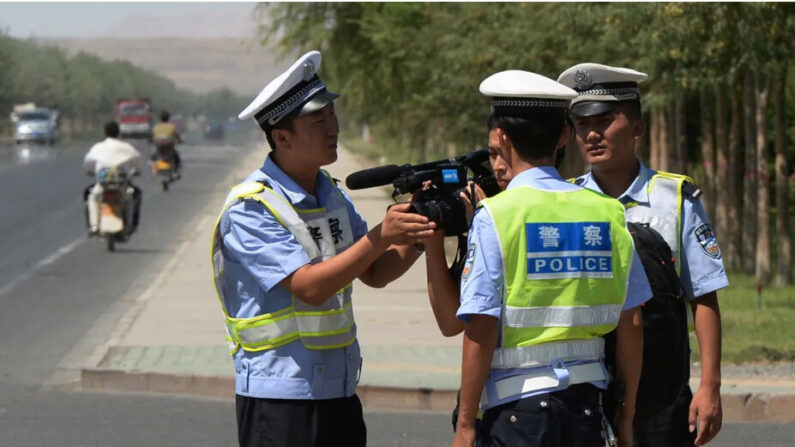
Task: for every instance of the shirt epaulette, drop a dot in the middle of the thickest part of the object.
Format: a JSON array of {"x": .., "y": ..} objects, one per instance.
[
  {"x": 577, "y": 180},
  {"x": 691, "y": 190}
]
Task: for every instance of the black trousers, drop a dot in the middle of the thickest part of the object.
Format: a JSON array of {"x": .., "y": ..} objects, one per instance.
[
  {"x": 300, "y": 423},
  {"x": 669, "y": 428},
  {"x": 136, "y": 217},
  {"x": 568, "y": 418}
]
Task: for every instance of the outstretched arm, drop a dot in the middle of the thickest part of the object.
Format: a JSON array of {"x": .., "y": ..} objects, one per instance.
[
  {"x": 315, "y": 283},
  {"x": 395, "y": 261}
]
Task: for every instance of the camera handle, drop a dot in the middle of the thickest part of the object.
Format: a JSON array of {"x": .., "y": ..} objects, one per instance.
[
  {"x": 473, "y": 196},
  {"x": 457, "y": 267}
]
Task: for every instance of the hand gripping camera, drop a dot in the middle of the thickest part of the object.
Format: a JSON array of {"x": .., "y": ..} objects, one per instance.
[{"x": 440, "y": 202}]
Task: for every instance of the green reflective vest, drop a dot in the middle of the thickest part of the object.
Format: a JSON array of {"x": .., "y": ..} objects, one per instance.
[
  {"x": 327, "y": 326},
  {"x": 566, "y": 259}
]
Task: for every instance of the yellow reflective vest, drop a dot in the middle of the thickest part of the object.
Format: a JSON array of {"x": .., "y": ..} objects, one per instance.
[
  {"x": 566, "y": 259},
  {"x": 328, "y": 326}
]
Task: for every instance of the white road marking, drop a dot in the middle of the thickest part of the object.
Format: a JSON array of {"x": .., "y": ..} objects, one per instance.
[{"x": 43, "y": 263}]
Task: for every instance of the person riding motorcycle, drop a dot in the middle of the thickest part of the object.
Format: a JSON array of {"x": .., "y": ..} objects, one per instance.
[
  {"x": 118, "y": 156},
  {"x": 166, "y": 138}
]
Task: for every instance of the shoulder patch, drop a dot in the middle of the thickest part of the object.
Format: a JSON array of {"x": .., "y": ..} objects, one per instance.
[
  {"x": 470, "y": 260},
  {"x": 706, "y": 239}
]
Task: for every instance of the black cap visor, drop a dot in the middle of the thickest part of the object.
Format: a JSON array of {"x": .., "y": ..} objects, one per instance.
[
  {"x": 317, "y": 102},
  {"x": 592, "y": 108}
]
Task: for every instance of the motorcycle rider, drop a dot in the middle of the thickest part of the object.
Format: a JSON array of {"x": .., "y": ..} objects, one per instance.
[
  {"x": 114, "y": 154},
  {"x": 166, "y": 138}
]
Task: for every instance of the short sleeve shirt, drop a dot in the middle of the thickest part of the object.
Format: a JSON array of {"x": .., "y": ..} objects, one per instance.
[
  {"x": 258, "y": 254},
  {"x": 482, "y": 287},
  {"x": 701, "y": 269}
]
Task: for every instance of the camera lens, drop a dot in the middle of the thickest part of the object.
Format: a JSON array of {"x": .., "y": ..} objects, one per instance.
[{"x": 429, "y": 209}]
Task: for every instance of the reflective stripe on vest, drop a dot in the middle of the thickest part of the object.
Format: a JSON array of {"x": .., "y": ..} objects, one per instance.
[
  {"x": 547, "y": 353},
  {"x": 561, "y": 316},
  {"x": 566, "y": 258},
  {"x": 327, "y": 326}
]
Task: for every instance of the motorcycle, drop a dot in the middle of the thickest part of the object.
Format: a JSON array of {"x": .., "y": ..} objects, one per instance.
[
  {"x": 116, "y": 207},
  {"x": 162, "y": 163}
]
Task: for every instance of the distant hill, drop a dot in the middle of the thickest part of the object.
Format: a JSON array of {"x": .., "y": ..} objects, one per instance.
[{"x": 196, "y": 64}]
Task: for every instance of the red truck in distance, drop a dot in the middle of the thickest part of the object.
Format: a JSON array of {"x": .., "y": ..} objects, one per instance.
[{"x": 134, "y": 116}]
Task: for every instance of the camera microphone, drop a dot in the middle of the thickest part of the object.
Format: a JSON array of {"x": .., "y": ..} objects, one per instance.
[{"x": 368, "y": 178}]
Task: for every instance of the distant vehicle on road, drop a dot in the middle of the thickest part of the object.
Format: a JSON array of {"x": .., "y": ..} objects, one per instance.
[
  {"x": 134, "y": 116},
  {"x": 213, "y": 130},
  {"x": 37, "y": 125},
  {"x": 28, "y": 106},
  {"x": 179, "y": 121}
]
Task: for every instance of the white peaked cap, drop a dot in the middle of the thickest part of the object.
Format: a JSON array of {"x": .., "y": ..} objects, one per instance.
[
  {"x": 297, "y": 91},
  {"x": 597, "y": 83},
  {"x": 518, "y": 92}
]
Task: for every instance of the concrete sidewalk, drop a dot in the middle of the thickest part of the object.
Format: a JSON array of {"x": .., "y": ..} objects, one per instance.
[{"x": 172, "y": 339}]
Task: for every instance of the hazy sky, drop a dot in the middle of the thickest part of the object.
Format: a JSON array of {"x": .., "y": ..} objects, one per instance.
[{"x": 143, "y": 19}]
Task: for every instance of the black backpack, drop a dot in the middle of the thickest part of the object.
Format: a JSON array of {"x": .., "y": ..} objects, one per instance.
[{"x": 666, "y": 350}]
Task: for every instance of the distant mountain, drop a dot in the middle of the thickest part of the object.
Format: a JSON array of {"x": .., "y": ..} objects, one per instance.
[
  {"x": 196, "y": 64},
  {"x": 193, "y": 24}
]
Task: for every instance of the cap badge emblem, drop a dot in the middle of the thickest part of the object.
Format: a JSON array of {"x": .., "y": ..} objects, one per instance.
[
  {"x": 309, "y": 70},
  {"x": 583, "y": 79}
]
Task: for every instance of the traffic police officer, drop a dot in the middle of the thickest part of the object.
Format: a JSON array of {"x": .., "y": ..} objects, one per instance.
[
  {"x": 608, "y": 123},
  {"x": 285, "y": 250},
  {"x": 551, "y": 267}
]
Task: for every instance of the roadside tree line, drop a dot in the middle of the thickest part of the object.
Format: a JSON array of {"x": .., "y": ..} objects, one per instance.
[
  {"x": 718, "y": 103},
  {"x": 84, "y": 88}
]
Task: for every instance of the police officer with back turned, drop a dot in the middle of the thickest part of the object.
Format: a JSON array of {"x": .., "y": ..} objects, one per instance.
[{"x": 551, "y": 268}]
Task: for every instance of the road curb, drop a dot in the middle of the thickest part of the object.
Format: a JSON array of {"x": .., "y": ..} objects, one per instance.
[
  {"x": 149, "y": 382},
  {"x": 741, "y": 407},
  {"x": 759, "y": 407},
  {"x": 372, "y": 397}
]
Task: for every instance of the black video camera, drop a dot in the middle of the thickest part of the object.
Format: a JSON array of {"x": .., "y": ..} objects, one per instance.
[{"x": 441, "y": 202}]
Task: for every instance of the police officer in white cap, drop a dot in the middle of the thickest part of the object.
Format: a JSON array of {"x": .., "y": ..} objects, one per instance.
[
  {"x": 550, "y": 269},
  {"x": 285, "y": 251},
  {"x": 608, "y": 124}
]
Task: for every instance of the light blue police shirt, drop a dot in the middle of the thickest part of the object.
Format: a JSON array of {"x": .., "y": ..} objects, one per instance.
[
  {"x": 482, "y": 288},
  {"x": 701, "y": 272},
  {"x": 258, "y": 254}
]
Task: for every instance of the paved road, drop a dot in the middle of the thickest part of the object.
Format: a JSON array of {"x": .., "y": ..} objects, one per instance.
[
  {"x": 120, "y": 420},
  {"x": 416, "y": 429},
  {"x": 55, "y": 284}
]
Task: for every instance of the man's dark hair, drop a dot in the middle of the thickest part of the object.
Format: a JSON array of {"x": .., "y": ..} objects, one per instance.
[
  {"x": 164, "y": 116},
  {"x": 533, "y": 137},
  {"x": 286, "y": 124},
  {"x": 112, "y": 129}
]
